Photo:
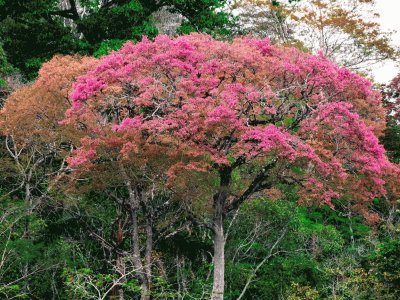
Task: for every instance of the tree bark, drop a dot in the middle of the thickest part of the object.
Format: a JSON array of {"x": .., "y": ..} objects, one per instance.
[
  {"x": 134, "y": 203},
  {"x": 219, "y": 237},
  {"x": 121, "y": 267},
  {"x": 219, "y": 252},
  {"x": 148, "y": 252},
  {"x": 120, "y": 264},
  {"x": 26, "y": 234},
  {"x": 136, "y": 255}
]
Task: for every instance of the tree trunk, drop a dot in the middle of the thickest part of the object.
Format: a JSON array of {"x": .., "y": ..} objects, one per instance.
[
  {"x": 219, "y": 253},
  {"x": 135, "y": 200},
  {"x": 26, "y": 234},
  {"x": 120, "y": 264},
  {"x": 149, "y": 251},
  {"x": 121, "y": 267},
  {"x": 136, "y": 256},
  {"x": 219, "y": 237}
]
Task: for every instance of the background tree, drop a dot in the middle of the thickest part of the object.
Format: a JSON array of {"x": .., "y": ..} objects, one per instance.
[
  {"x": 33, "y": 138},
  {"x": 345, "y": 31},
  {"x": 33, "y": 31},
  {"x": 391, "y": 139},
  {"x": 9, "y": 79}
]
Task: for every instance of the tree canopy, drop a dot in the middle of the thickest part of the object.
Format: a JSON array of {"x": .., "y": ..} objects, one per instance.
[{"x": 346, "y": 31}]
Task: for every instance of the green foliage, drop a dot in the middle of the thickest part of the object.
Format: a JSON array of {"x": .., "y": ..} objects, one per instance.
[
  {"x": 283, "y": 223},
  {"x": 391, "y": 141},
  {"x": 108, "y": 46},
  {"x": 349, "y": 226},
  {"x": 199, "y": 287},
  {"x": 5, "y": 67},
  {"x": 385, "y": 265},
  {"x": 163, "y": 289},
  {"x": 32, "y": 65},
  {"x": 147, "y": 28},
  {"x": 314, "y": 249},
  {"x": 298, "y": 292},
  {"x": 84, "y": 283},
  {"x": 33, "y": 31},
  {"x": 201, "y": 16},
  {"x": 320, "y": 246},
  {"x": 330, "y": 241},
  {"x": 30, "y": 35}
]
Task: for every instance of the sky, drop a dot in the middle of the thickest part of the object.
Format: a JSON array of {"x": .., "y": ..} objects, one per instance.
[{"x": 389, "y": 20}]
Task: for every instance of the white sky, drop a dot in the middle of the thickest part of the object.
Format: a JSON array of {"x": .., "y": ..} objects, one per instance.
[{"x": 390, "y": 20}]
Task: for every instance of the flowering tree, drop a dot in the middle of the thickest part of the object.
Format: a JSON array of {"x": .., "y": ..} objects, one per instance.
[
  {"x": 29, "y": 120},
  {"x": 34, "y": 141},
  {"x": 244, "y": 115},
  {"x": 30, "y": 117}
]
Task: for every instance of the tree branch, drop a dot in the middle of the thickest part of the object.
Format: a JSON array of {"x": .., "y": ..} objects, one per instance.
[{"x": 255, "y": 186}]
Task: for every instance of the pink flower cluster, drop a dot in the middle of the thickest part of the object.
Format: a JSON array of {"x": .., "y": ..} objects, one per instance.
[{"x": 243, "y": 100}]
